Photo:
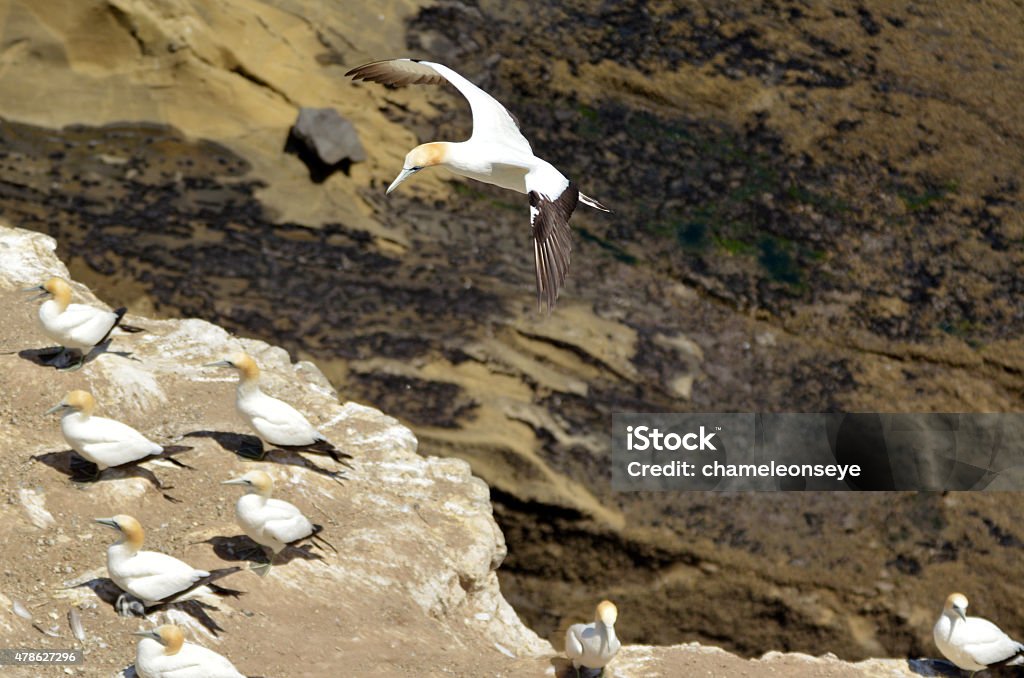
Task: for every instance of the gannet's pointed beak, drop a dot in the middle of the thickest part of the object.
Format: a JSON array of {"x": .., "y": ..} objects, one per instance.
[
  {"x": 960, "y": 612},
  {"x": 56, "y": 408},
  {"x": 147, "y": 634},
  {"x": 219, "y": 363},
  {"x": 36, "y": 288},
  {"x": 402, "y": 176},
  {"x": 235, "y": 481},
  {"x": 109, "y": 522}
]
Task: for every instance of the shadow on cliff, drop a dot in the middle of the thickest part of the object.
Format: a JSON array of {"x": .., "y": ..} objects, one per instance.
[
  {"x": 46, "y": 357},
  {"x": 79, "y": 470},
  {"x": 933, "y": 667},
  {"x": 242, "y": 548},
  {"x": 111, "y": 594},
  {"x": 251, "y": 448}
]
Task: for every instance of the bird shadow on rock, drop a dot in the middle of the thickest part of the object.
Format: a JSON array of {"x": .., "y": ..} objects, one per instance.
[
  {"x": 84, "y": 472},
  {"x": 250, "y": 448},
  {"x": 45, "y": 357},
  {"x": 243, "y": 548},
  {"x": 563, "y": 667},
  {"x": 933, "y": 667},
  {"x": 124, "y": 604}
]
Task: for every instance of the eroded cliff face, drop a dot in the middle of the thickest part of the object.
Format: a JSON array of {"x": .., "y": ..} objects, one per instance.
[{"x": 832, "y": 222}]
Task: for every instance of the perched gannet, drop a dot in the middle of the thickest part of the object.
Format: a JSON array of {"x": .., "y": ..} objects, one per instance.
[
  {"x": 155, "y": 578},
  {"x": 495, "y": 153},
  {"x": 972, "y": 643},
  {"x": 102, "y": 441},
  {"x": 275, "y": 421},
  {"x": 269, "y": 522},
  {"x": 77, "y": 327},
  {"x": 163, "y": 653},
  {"x": 593, "y": 645}
]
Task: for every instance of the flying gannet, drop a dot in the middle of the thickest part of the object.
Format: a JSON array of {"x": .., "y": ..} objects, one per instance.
[
  {"x": 276, "y": 422},
  {"x": 592, "y": 646},
  {"x": 496, "y": 153},
  {"x": 76, "y": 327},
  {"x": 271, "y": 523},
  {"x": 163, "y": 653},
  {"x": 102, "y": 441},
  {"x": 155, "y": 578},
  {"x": 972, "y": 643}
]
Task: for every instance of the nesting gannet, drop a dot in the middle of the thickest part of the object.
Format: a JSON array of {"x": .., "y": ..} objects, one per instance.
[
  {"x": 275, "y": 421},
  {"x": 972, "y": 643},
  {"x": 593, "y": 645},
  {"x": 155, "y": 578},
  {"x": 76, "y": 327},
  {"x": 163, "y": 653},
  {"x": 495, "y": 153},
  {"x": 269, "y": 522},
  {"x": 102, "y": 441}
]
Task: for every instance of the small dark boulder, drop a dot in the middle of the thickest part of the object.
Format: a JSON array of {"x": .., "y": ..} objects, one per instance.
[{"x": 325, "y": 142}]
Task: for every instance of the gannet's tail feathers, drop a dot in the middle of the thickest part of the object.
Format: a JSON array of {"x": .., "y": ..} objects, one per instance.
[
  {"x": 318, "y": 540},
  {"x": 119, "y": 315},
  {"x": 208, "y": 581},
  {"x": 171, "y": 450},
  {"x": 552, "y": 241},
  {"x": 587, "y": 200}
]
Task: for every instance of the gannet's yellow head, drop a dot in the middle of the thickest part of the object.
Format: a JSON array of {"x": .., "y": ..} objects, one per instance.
[
  {"x": 957, "y": 603},
  {"x": 127, "y": 526},
  {"x": 242, "y": 362},
  {"x": 58, "y": 288},
  {"x": 75, "y": 401},
  {"x": 259, "y": 482},
  {"x": 607, "y": 613},
  {"x": 424, "y": 155},
  {"x": 168, "y": 635}
]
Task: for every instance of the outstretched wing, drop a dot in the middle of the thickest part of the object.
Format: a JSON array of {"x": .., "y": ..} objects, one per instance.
[
  {"x": 552, "y": 201},
  {"x": 491, "y": 121}
]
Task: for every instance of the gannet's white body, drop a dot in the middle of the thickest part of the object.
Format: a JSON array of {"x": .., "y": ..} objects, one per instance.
[
  {"x": 163, "y": 653},
  {"x": 102, "y": 441},
  {"x": 74, "y": 326},
  {"x": 275, "y": 421},
  {"x": 593, "y": 645},
  {"x": 268, "y": 522},
  {"x": 152, "y": 577},
  {"x": 972, "y": 643},
  {"x": 496, "y": 153}
]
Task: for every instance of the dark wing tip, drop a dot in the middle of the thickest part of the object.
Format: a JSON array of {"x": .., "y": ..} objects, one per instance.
[
  {"x": 552, "y": 243},
  {"x": 397, "y": 73}
]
